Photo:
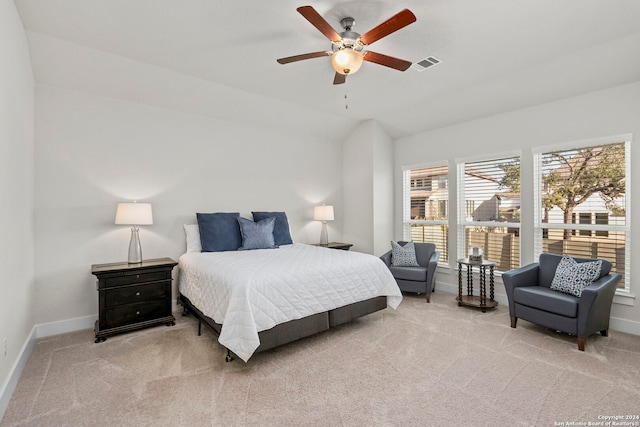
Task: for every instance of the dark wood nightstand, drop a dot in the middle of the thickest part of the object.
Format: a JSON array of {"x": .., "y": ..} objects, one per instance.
[
  {"x": 133, "y": 296},
  {"x": 336, "y": 245}
]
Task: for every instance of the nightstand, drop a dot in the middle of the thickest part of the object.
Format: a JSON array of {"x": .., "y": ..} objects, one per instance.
[
  {"x": 133, "y": 296},
  {"x": 336, "y": 245}
]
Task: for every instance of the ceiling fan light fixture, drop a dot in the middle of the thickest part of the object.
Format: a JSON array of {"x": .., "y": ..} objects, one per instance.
[{"x": 347, "y": 61}]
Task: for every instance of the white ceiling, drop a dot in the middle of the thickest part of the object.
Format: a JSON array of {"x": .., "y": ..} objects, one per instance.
[{"x": 218, "y": 58}]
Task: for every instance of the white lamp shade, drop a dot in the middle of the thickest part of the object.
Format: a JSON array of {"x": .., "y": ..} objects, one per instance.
[
  {"x": 134, "y": 214},
  {"x": 323, "y": 213}
]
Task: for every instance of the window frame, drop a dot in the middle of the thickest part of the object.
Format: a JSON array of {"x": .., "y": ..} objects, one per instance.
[
  {"x": 461, "y": 221},
  {"x": 592, "y": 228},
  {"x": 407, "y": 221}
]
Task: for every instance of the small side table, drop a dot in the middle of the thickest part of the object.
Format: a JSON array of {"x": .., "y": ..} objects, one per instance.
[
  {"x": 336, "y": 245},
  {"x": 476, "y": 300}
]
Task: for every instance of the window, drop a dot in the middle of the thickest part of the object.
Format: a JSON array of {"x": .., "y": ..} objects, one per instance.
[
  {"x": 442, "y": 182},
  {"x": 585, "y": 218},
  {"x": 581, "y": 203},
  {"x": 490, "y": 192},
  {"x": 426, "y": 210},
  {"x": 469, "y": 208},
  {"x": 442, "y": 209},
  {"x": 602, "y": 219}
]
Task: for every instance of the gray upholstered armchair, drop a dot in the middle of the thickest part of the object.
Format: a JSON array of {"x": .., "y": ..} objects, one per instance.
[
  {"x": 420, "y": 279},
  {"x": 530, "y": 298}
]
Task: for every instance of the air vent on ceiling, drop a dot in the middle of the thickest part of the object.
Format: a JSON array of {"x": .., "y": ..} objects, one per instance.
[{"x": 425, "y": 63}]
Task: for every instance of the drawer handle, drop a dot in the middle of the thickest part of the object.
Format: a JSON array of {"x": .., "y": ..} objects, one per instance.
[
  {"x": 137, "y": 294},
  {"x": 137, "y": 312},
  {"x": 137, "y": 276}
]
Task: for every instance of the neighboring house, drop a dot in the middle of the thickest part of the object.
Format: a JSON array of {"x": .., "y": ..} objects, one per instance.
[{"x": 430, "y": 194}]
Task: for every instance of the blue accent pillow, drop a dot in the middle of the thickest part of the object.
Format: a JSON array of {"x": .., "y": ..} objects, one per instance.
[
  {"x": 219, "y": 231},
  {"x": 257, "y": 235},
  {"x": 281, "y": 233},
  {"x": 572, "y": 277}
]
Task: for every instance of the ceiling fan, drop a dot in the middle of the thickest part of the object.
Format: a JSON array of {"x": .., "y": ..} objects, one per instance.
[{"x": 347, "y": 48}]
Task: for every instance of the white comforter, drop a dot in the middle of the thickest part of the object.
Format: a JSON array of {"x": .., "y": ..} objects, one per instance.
[{"x": 252, "y": 291}]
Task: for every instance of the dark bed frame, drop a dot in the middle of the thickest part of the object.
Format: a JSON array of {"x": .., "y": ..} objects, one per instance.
[{"x": 293, "y": 330}]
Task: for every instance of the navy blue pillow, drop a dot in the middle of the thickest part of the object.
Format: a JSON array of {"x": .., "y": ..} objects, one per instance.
[
  {"x": 257, "y": 235},
  {"x": 281, "y": 233},
  {"x": 219, "y": 231}
]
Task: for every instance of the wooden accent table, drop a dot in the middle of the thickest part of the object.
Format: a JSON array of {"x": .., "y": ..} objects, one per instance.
[
  {"x": 336, "y": 245},
  {"x": 133, "y": 296},
  {"x": 476, "y": 300}
]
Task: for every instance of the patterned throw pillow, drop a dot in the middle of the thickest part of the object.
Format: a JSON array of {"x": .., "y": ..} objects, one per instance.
[
  {"x": 572, "y": 276},
  {"x": 403, "y": 256}
]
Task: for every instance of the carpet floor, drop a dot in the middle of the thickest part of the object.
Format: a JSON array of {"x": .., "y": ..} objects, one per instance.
[{"x": 423, "y": 365}]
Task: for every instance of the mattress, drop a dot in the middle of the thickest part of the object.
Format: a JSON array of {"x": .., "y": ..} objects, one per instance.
[{"x": 252, "y": 291}]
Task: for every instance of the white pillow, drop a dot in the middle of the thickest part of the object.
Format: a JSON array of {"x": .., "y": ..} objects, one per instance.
[{"x": 193, "y": 238}]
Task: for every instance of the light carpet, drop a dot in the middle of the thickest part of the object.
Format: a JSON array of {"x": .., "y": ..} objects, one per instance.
[{"x": 425, "y": 364}]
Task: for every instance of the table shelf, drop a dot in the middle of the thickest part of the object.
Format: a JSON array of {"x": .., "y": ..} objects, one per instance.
[{"x": 471, "y": 300}]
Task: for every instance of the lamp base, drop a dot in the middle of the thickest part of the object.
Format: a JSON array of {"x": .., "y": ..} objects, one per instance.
[
  {"x": 324, "y": 234},
  {"x": 135, "y": 249}
]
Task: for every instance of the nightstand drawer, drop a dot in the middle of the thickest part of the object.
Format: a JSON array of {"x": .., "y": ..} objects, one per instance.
[
  {"x": 137, "y": 293},
  {"x": 135, "y": 313},
  {"x": 129, "y": 279}
]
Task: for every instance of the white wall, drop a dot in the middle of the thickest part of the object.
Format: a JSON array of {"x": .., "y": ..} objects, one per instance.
[
  {"x": 382, "y": 191},
  {"x": 93, "y": 151},
  {"x": 368, "y": 188},
  {"x": 599, "y": 114},
  {"x": 357, "y": 188},
  {"x": 16, "y": 196}
]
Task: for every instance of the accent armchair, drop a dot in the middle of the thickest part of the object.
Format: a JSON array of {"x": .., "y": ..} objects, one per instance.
[
  {"x": 420, "y": 279},
  {"x": 531, "y": 298}
]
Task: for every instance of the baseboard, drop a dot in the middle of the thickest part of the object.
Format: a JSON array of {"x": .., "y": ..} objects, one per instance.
[
  {"x": 10, "y": 384},
  {"x": 624, "y": 325},
  {"x": 64, "y": 326}
]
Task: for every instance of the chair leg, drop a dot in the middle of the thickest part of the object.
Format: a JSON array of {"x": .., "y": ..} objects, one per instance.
[
  {"x": 581, "y": 343},
  {"x": 604, "y": 332},
  {"x": 514, "y": 320},
  {"x": 428, "y": 297}
]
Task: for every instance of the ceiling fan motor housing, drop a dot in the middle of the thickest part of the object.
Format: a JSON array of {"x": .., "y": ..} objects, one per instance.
[
  {"x": 344, "y": 59},
  {"x": 348, "y": 39}
]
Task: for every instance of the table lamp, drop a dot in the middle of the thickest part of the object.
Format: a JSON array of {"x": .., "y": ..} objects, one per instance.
[
  {"x": 323, "y": 213},
  {"x": 134, "y": 214}
]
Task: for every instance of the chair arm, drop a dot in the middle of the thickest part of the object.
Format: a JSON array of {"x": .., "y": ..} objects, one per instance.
[
  {"x": 386, "y": 258},
  {"x": 435, "y": 257},
  {"x": 523, "y": 276},
  {"x": 594, "y": 306}
]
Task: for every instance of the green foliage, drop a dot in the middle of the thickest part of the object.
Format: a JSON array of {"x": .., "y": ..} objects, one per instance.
[
  {"x": 511, "y": 178},
  {"x": 576, "y": 176}
]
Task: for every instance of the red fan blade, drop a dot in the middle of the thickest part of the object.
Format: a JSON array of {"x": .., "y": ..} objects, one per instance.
[
  {"x": 318, "y": 21},
  {"x": 303, "y": 56},
  {"x": 338, "y": 79},
  {"x": 387, "y": 61},
  {"x": 396, "y": 22}
]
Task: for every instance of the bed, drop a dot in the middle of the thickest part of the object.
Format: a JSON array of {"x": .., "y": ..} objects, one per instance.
[{"x": 258, "y": 299}]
